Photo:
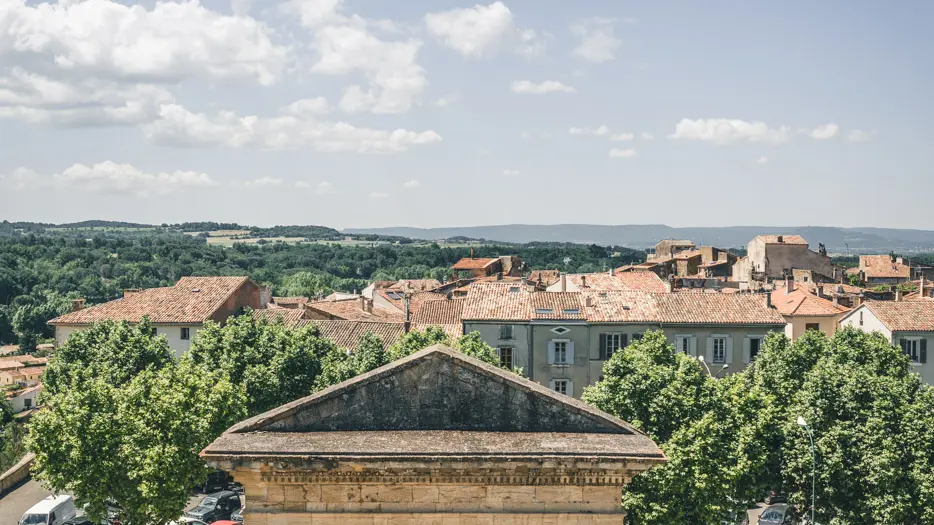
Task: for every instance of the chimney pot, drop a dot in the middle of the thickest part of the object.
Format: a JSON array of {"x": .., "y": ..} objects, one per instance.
[
  {"x": 77, "y": 304},
  {"x": 768, "y": 299},
  {"x": 583, "y": 281},
  {"x": 781, "y": 239},
  {"x": 789, "y": 285},
  {"x": 588, "y": 301},
  {"x": 564, "y": 282},
  {"x": 898, "y": 294}
]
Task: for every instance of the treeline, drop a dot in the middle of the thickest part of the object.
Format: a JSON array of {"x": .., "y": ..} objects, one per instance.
[{"x": 39, "y": 274}]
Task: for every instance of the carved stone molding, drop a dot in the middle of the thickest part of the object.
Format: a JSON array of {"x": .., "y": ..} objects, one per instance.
[{"x": 580, "y": 478}]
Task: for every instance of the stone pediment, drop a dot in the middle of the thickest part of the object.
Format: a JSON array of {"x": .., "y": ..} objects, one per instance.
[{"x": 436, "y": 389}]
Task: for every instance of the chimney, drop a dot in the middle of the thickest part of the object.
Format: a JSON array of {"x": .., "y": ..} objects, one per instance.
[
  {"x": 471, "y": 253},
  {"x": 408, "y": 315},
  {"x": 130, "y": 291},
  {"x": 564, "y": 282},
  {"x": 898, "y": 294},
  {"x": 264, "y": 295},
  {"x": 588, "y": 301},
  {"x": 836, "y": 299},
  {"x": 899, "y": 260},
  {"x": 583, "y": 281},
  {"x": 789, "y": 284},
  {"x": 921, "y": 287},
  {"x": 369, "y": 306},
  {"x": 819, "y": 291},
  {"x": 612, "y": 271},
  {"x": 781, "y": 239},
  {"x": 362, "y": 301},
  {"x": 499, "y": 276},
  {"x": 768, "y": 299},
  {"x": 77, "y": 304}
]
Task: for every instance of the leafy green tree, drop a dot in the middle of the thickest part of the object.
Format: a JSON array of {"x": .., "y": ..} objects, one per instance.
[
  {"x": 304, "y": 284},
  {"x": 339, "y": 365},
  {"x": 125, "y": 423},
  {"x": 854, "y": 280},
  {"x": 12, "y": 444},
  {"x": 417, "y": 340},
  {"x": 274, "y": 364}
]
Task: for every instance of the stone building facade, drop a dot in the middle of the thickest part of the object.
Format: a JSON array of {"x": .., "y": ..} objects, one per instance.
[{"x": 436, "y": 438}]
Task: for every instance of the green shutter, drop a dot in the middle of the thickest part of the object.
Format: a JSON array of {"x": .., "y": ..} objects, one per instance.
[
  {"x": 603, "y": 353},
  {"x": 923, "y": 354}
]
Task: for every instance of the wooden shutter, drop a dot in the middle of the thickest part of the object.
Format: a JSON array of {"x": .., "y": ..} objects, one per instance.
[
  {"x": 570, "y": 352},
  {"x": 729, "y": 349},
  {"x": 679, "y": 344},
  {"x": 570, "y": 390},
  {"x": 602, "y": 351},
  {"x": 551, "y": 385},
  {"x": 624, "y": 341},
  {"x": 551, "y": 352},
  {"x": 693, "y": 345},
  {"x": 904, "y": 346},
  {"x": 709, "y": 356},
  {"x": 747, "y": 349},
  {"x": 923, "y": 351}
]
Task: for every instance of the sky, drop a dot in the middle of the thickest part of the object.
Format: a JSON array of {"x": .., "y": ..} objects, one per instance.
[{"x": 366, "y": 113}]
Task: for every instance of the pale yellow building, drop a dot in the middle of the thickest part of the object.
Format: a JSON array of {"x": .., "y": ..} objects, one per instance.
[{"x": 805, "y": 311}]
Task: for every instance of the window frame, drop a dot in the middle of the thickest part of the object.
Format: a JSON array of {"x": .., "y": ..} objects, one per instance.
[
  {"x": 184, "y": 333},
  {"x": 564, "y": 385},
  {"x": 915, "y": 357},
  {"x": 612, "y": 343},
  {"x": 722, "y": 343},
  {"x": 563, "y": 351},
  {"x": 759, "y": 340},
  {"x": 507, "y": 332},
  {"x": 812, "y": 326},
  {"x": 510, "y": 350}
]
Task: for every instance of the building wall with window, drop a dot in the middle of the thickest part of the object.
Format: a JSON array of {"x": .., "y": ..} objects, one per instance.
[
  {"x": 799, "y": 324},
  {"x": 917, "y": 345},
  {"x": 730, "y": 345},
  {"x": 551, "y": 364},
  {"x": 603, "y": 338},
  {"x": 173, "y": 334},
  {"x": 863, "y": 319},
  {"x": 493, "y": 334}
]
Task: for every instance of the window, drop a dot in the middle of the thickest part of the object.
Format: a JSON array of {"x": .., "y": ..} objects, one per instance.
[
  {"x": 513, "y": 289},
  {"x": 544, "y": 311},
  {"x": 561, "y": 352},
  {"x": 913, "y": 348},
  {"x": 505, "y": 357},
  {"x": 636, "y": 337},
  {"x": 27, "y": 403},
  {"x": 812, "y": 326},
  {"x": 560, "y": 330},
  {"x": 610, "y": 343},
  {"x": 572, "y": 311},
  {"x": 683, "y": 344},
  {"x": 186, "y": 334},
  {"x": 755, "y": 344},
  {"x": 506, "y": 331},
  {"x": 719, "y": 350},
  {"x": 861, "y": 318},
  {"x": 561, "y": 386}
]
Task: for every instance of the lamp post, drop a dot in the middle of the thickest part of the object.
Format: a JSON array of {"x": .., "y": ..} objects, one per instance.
[
  {"x": 804, "y": 424},
  {"x": 717, "y": 375},
  {"x": 722, "y": 369}
]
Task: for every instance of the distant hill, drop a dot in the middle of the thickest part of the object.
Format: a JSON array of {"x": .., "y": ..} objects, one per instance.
[{"x": 645, "y": 236}]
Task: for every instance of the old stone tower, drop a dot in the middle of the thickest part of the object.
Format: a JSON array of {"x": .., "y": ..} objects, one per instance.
[{"x": 436, "y": 438}]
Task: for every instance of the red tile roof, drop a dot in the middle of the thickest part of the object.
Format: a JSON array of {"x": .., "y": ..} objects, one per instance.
[
  {"x": 716, "y": 308},
  {"x": 347, "y": 334},
  {"x": 193, "y": 300},
  {"x": 289, "y": 316},
  {"x": 786, "y": 239},
  {"x": 800, "y": 302},
  {"x": 904, "y": 316},
  {"x": 496, "y": 301},
  {"x": 282, "y": 301},
  {"x": 547, "y": 277},
  {"x": 641, "y": 281},
  {"x": 558, "y": 305},
  {"x": 351, "y": 310},
  {"x": 881, "y": 267},
  {"x": 473, "y": 264},
  {"x": 446, "y": 314}
]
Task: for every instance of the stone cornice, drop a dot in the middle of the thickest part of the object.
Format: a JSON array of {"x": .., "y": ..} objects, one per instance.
[{"x": 595, "y": 477}]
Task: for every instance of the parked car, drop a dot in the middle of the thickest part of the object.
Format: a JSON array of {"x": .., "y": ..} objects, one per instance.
[
  {"x": 53, "y": 510},
  {"x": 80, "y": 520},
  {"x": 217, "y": 481},
  {"x": 776, "y": 497},
  {"x": 215, "y": 507},
  {"x": 779, "y": 514},
  {"x": 237, "y": 515}
]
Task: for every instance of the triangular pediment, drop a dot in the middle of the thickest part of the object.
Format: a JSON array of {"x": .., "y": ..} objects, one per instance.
[{"x": 436, "y": 389}]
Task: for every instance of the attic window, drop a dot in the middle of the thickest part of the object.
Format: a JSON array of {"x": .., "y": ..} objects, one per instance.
[
  {"x": 560, "y": 330},
  {"x": 513, "y": 289},
  {"x": 395, "y": 296},
  {"x": 602, "y": 295},
  {"x": 543, "y": 311},
  {"x": 572, "y": 310}
]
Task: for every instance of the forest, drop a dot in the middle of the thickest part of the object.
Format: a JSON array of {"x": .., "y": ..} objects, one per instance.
[{"x": 41, "y": 271}]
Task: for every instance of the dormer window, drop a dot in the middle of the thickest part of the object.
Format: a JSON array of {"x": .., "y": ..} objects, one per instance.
[{"x": 572, "y": 311}]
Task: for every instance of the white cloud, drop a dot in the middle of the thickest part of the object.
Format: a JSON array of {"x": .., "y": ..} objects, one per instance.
[
  {"x": 447, "y": 100},
  {"x": 304, "y": 185},
  {"x": 858, "y": 135},
  {"x": 262, "y": 182},
  {"x": 167, "y": 43},
  {"x": 623, "y": 137},
  {"x": 378, "y": 195},
  {"x": 179, "y": 127},
  {"x": 598, "y": 42},
  {"x": 763, "y": 160},
  {"x": 647, "y": 136},
  {"x": 526, "y": 87},
  {"x": 113, "y": 178},
  {"x": 482, "y": 29},
  {"x": 729, "y": 131},
  {"x": 325, "y": 188},
  {"x": 411, "y": 184},
  {"x": 827, "y": 131},
  {"x": 313, "y": 13},
  {"x": 623, "y": 153},
  {"x": 598, "y": 131},
  {"x": 308, "y": 107},
  {"x": 511, "y": 172}
]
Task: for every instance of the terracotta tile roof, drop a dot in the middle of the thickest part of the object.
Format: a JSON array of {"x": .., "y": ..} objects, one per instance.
[
  {"x": 831, "y": 289},
  {"x": 441, "y": 312},
  {"x": 800, "y": 302},
  {"x": 621, "y": 307},
  {"x": 641, "y": 281},
  {"x": 557, "y": 305},
  {"x": 687, "y": 254},
  {"x": 711, "y": 264},
  {"x": 904, "y": 316},
  {"x": 289, "y": 316},
  {"x": 786, "y": 239},
  {"x": 496, "y": 301},
  {"x": 282, "y": 301},
  {"x": 473, "y": 264},
  {"x": 547, "y": 277},
  {"x": 716, "y": 308},
  {"x": 417, "y": 285},
  {"x": 192, "y": 300},
  {"x": 881, "y": 266},
  {"x": 351, "y": 310},
  {"x": 347, "y": 334}
]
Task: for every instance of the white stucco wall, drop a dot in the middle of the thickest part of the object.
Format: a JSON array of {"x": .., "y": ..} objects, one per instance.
[
  {"x": 172, "y": 333},
  {"x": 19, "y": 402},
  {"x": 862, "y": 318}
]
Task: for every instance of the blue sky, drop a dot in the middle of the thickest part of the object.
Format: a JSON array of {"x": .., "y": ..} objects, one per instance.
[{"x": 366, "y": 113}]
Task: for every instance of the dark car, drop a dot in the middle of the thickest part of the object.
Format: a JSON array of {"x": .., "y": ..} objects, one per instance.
[
  {"x": 775, "y": 497},
  {"x": 215, "y": 507},
  {"x": 217, "y": 481},
  {"x": 237, "y": 515},
  {"x": 79, "y": 520},
  {"x": 779, "y": 514}
]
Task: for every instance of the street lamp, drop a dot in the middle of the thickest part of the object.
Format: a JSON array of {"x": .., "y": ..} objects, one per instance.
[
  {"x": 722, "y": 369},
  {"x": 804, "y": 424},
  {"x": 717, "y": 375}
]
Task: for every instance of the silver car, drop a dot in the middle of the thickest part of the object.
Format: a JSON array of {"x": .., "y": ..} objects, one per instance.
[{"x": 779, "y": 514}]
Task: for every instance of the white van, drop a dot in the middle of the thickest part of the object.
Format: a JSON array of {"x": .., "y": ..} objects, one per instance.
[{"x": 53, "y": 510}]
